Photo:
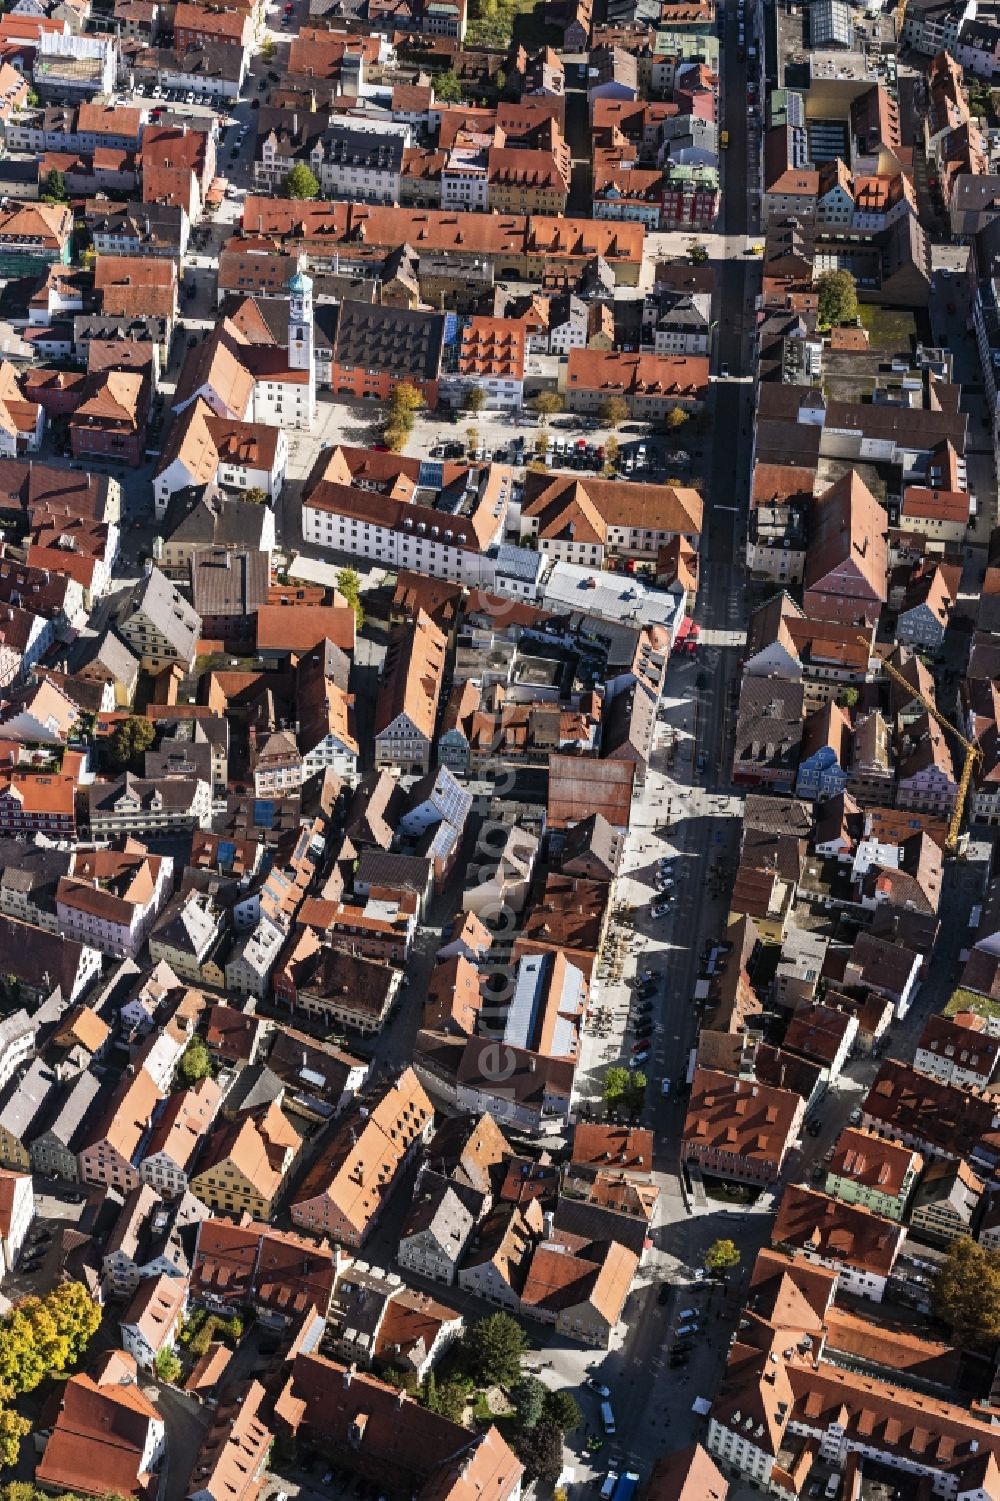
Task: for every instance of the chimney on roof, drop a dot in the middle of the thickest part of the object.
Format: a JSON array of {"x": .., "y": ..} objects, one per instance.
[{"x": 349, "y": 1374}]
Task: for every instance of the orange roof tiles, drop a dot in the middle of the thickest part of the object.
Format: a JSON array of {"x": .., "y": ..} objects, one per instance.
[
  {"x": 412, "y": 675},
  {"x": 281, "y": 628}
]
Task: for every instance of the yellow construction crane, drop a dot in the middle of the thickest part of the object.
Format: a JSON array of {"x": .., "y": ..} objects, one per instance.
[{"x": 972, "y": 752}]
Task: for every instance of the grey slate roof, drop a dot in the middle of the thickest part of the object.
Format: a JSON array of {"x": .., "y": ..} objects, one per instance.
[
  {"x": 229, "y": 581},
  {"x": 447, "y": 1210},
  {"x": 166, "y": 609},
  {"x": 383, "y": 868},
  {"x": 216, "y": 523},
  {"x": 253, "y": 1086},
  {"x": 25, "y": 1099},
  {"x": 75, "y": 1111}
]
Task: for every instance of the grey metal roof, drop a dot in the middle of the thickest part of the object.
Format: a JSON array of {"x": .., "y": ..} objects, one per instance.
[
  {"x": 611, "y": 597},
  {"x": 521, "y": 563}
]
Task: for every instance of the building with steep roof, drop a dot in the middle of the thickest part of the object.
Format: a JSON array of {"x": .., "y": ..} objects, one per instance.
[
  {"x": 232, "y": 1460},
  {"x": 281, "y": 1274},
  {"x": 586, "y": 521},
  {"x": 159, "y": 624},
  {"x": 114, "y": 1143},
  {"x": 438, "y": 1227},
  {"x": 150, "y": 1322},
  {"x": 580, "y": 1287},
  {"x": 876, "y": 1173},
  {"x": 846, "y": 559},
  {"x": 406, "y": 710},
  {"x": 858, "y": 1245},
  {"x": 739, "y": 1129},
  {"x": 204, "y": 449},
  {"x": 390, "y": 1439},
  {"x": 244, "y": 1164},
  {"x": 106, "y": 1436},
  {"x": 350, "y": 1182}
]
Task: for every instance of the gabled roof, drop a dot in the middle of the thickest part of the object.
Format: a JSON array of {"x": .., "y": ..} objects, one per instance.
[
  {"x": 99, "y": 1440},
  {"x": 847, "y": 552},
  {"x": 836, "y": 1231}
]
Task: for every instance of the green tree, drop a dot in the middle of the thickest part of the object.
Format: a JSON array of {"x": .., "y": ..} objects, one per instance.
[
  {"x": 168, "y": 1367},
  {"x": 499, "y": 80},
  {"x": 611, "y": 450},
  {"x": 267, "y": 49},
  {"x": 430, "y": 1393},
  {"x": 636, "y": 1094},
  {"x": 697, "y": 253},
  {"x": 613, "y": 410},
  {"x": 540, "y": 1450},
  {"x": 129, "y": 738},
  {"x": 405, "y": 397},
  {"x": 616, "y": 1085},
  {"x": 722, "y": 1257},
  {"x": 528, "y": 1396},
  {"x": 493, "y": 1348},
  {"x": 300, "y": 182},
  {"x": 12, "y": 1430},
  {"x": 448, "y": 87},
  {"x": 45, "y": 1336},
  {"x": 474, "y": 399},
  {"x": 22, "y": 1365},
  {"x": 847, "y": 697},
  {"x": 55, "y": 188},
  {"x": 194, "y": 1063},
  {"x": 676, "y": 418},
  {"x": 547, "y": 404},
  {"x": 394, "y": 436},
  {"x": 76, "y": 1316},
  {"x": 838, "y": 299},
  {"x": 562, "y": 1411},
  {"x": 453, "y": 1396},
  {"x": 967, "y": 1293},
  {"x": 256, "y": 496},
  {"x": 349, "y": 585}
]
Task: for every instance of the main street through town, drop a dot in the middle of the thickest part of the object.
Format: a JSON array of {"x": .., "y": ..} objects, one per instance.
[{"x": 687, "y": 812}]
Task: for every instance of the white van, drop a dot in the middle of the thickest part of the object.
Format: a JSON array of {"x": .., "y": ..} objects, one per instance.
[
  {"x": 832, "y": 1486},
  {"x": 608, "y": 1418},
  {"x": 608, "y": 1488}
]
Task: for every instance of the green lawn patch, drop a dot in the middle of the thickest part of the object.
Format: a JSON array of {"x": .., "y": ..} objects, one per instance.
[
  {"x": 969, "y": 1000},
  {"x": 888, "y": 328},
  {"x": 492, "y": 23}
]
